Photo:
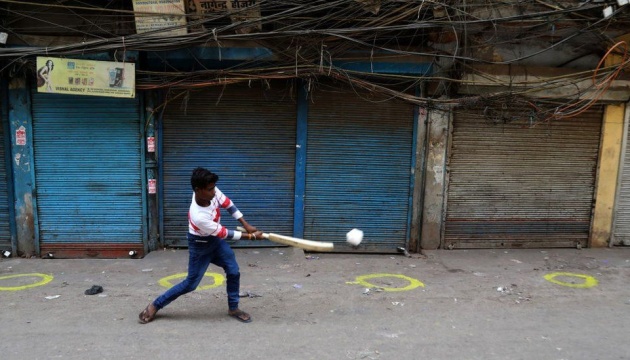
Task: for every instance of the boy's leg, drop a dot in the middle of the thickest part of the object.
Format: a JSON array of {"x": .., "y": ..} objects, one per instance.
[
  {"x": 225, "y": 258},
  {"x": 198, "y": 260}
]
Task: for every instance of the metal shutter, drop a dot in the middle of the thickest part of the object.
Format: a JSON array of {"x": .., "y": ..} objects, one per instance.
[
  {"x": 512, "y": 185},
  {"x": 5, "y": 218},
  {"x": 87, "y": 154},
  {"x": 246, "y": 135},
  {"x": 358, "y": 169},
  {"x": 621, "y": 231}
]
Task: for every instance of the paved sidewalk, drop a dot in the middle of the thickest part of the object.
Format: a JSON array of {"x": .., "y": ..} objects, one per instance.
[{"x": 460, "y": 304}]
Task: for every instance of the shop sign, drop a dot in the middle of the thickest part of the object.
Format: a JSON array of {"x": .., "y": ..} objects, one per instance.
[
  {"x": 86, "y": 77},
  {"x": 154, "y": 15}
]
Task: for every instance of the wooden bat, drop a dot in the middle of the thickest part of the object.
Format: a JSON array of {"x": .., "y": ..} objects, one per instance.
[{"x": 309, "y": 245}]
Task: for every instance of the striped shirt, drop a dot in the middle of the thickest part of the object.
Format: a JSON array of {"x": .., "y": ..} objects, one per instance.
[{"x": 206, "y": 221}]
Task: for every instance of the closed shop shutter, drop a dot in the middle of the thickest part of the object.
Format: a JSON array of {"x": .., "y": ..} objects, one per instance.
[
  {"x": 5, "y": 218},
  {"x": 246, "y": 135},
  {"x": 621, "y": 231},
  {"x": 358, "y": 170},
  {"x": 513, "y": 185},
  {"x": 87, "y": 153}
]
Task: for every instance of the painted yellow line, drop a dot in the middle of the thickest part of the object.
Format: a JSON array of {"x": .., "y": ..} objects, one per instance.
[
  {"x": 218, "y": 280},
  {"x": 362, "y": 280},
  {"x": 589, "y": 281},
  {"x": 45, "y": 279}
]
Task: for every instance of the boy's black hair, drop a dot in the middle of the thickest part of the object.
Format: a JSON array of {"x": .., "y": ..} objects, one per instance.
[{"x": 202, "y": 177}]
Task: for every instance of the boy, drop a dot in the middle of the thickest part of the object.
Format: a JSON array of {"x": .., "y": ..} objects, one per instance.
[{"x": 206, "y": 244}]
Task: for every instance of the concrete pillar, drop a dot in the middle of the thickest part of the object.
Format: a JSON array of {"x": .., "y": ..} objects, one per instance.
[
  {"x": 435, "y": 178},
  {"x": 151, "y": 174},
  {"x": 421, "y": 119},
  {"x": 21, "y": 133},
  {"x": 607, "y": 174},
  {"x": 608, "y": 166}
]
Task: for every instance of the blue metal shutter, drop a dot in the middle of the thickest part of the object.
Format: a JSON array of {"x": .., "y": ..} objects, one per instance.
[
  {"x": 87, "y": 154},
  {"x": 244, "y": 134},
  {"x": 358, "y": 170},
  {"x": 516, "y": 186},
  {"x": 5, "y": 220}
]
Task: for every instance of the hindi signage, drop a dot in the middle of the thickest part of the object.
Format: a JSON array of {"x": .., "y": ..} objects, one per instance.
[
  {"x": 166, "y": 15},
  {"x": 239, "y": 11}
]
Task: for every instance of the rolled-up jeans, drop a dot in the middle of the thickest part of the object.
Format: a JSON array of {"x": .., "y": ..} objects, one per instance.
[{"x": 201, "y": 252}]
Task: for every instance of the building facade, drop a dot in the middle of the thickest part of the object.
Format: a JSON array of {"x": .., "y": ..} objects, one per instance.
[{"x": 369, "y": 141}]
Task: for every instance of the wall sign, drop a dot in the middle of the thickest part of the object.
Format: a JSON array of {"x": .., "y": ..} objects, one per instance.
[
  {"x": 152, "y": 187},
  {"x": 86, "y": 77},
  {"x": 20, "y": 136}
]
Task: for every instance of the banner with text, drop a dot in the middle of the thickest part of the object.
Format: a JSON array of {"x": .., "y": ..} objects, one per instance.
[
  {"x": 166, "y": 15},
  {"x": 239, "y": 10},
  {"x": 86, "y": 77}
]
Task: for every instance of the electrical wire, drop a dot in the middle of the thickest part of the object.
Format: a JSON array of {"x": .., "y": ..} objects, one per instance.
[{"x": 309, "y": 38}]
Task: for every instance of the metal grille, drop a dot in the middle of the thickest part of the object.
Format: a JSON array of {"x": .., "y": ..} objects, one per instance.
[
  {"x": 246, "y": 135},
  {"x": 88, "y": 169},
  {"x": 513, "y": 185},
  {"x": 358, "y": 170}
]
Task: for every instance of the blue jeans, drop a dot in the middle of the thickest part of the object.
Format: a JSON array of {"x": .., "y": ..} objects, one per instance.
[{"x": 201, "y": 252}]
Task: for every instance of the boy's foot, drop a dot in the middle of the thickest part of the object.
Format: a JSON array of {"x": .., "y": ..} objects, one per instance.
[
  {"x": 148, "y": 314},
  {"x": 240, "y": 315}
]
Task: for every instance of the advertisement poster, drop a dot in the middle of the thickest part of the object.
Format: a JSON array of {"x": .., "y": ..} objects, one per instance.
[
  {"x": 146, "y": 21},
  {"x": 86, "y": 77}
]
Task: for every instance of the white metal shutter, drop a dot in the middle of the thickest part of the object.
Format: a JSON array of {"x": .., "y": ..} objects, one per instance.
[
  {"x": 621, "y": 231},
  {"x": 512, "y": 185}
]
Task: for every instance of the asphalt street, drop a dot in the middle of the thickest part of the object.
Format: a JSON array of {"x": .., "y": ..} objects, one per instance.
[{"x": 460, "y": 304}]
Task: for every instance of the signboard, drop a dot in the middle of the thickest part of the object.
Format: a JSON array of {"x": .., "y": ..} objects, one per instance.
[
  {"x": 239, "y": 10},
  {"x": 147, "y": 21},
  {"x": 372, "y": 6},
  {"x": 86, "y": 77}
]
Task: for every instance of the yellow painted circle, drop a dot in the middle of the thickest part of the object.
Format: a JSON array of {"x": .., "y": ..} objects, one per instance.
[
  {"x": 45, "y": 279},
  {"x": 218, "y": 280},
  {"x": 589, "y": 281},
  {"x": 362, "y": 280}
]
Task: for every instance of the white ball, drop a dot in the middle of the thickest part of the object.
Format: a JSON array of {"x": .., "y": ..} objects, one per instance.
[{"x": 354, "y": 237}]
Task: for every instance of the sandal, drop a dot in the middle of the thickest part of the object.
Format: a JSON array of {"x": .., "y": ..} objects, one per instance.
[
  {"x": 145, "y": 316},
  {"x": 240, "y": 315},
  {"x": 95, "y": 289}
]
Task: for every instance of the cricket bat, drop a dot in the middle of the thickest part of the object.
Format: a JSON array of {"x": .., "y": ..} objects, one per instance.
[{"x": 309, "y": 245}]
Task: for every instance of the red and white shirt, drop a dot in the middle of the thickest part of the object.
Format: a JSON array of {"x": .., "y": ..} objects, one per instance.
[{"x": 206, "y": 221}]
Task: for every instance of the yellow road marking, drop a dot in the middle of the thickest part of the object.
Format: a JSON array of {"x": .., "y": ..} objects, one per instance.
[
  {"x": 45, "y": 279},
  {"x": 589, "y": 281},
  {"x": 218, "y": 280},
  {"x": 362, "y": 280}
]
